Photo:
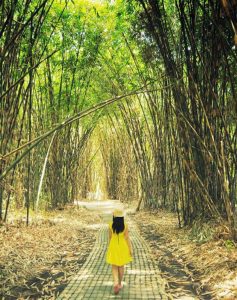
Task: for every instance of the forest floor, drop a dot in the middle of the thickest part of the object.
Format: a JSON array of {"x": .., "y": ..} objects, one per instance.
[
  {"x": 199, "y": 261},
  {"x": 38, "y": 261}
]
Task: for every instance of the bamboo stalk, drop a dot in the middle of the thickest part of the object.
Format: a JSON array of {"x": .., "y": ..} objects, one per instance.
[{"x": 43, "y": 171}]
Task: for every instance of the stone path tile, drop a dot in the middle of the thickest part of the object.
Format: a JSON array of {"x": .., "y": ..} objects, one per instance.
[{"x": 94, "y": 281}]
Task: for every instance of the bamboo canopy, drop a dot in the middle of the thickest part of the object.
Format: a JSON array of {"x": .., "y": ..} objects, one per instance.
[{"x": 166, "y": 135}]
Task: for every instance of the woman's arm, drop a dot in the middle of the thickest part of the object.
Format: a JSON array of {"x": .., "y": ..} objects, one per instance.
[{"x": 126, "y": 235}]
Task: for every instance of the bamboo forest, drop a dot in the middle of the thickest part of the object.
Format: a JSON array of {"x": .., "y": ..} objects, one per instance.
[{"x": 118, "y": 111}]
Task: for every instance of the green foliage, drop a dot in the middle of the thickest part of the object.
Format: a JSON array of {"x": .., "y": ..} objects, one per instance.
[
  {"x": 229, "y": 244},
  {"x": 102, "y": 49},
  {"x": 201, "y": 232}
]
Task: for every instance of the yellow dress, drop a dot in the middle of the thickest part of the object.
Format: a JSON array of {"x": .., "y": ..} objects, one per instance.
[{"x": 118, "y": 251}]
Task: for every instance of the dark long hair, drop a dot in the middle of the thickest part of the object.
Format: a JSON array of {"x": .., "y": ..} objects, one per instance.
[{"x": 118, "y": 224}]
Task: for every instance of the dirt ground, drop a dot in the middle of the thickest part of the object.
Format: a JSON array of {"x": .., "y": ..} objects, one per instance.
[
  {"x": 39, "y": 260},
  {"x": 198, "y": 262}
]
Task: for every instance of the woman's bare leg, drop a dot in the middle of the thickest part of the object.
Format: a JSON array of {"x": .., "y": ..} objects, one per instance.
[
  {"x": 115, "y": 274},
  {"x": 121, "y": 272},
  {"x": 116, "y": 278}
]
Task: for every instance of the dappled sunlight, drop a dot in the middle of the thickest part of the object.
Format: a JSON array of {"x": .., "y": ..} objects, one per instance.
[
  {"x": 107, "y": 283},
  {"x": 227, "y": 288},
  {"x": 140, "y": 272},
  {"x": 84, "y": 276},
  {"x": 94, "y": 226}
]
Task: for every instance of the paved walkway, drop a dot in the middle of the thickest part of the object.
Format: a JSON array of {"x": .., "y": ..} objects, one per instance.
[{"x": 94, "y": 281}]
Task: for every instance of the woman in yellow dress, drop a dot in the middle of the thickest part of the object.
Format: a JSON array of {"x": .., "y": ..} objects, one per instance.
[{"x": 120, "y": 250}]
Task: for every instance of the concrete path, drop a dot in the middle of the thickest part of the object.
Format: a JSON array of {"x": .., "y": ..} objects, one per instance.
[{"x": 94, "y": 281}]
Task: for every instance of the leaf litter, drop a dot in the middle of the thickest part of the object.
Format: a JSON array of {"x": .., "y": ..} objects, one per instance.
[
  {"x": 198, "y": 262},
  {"x": 38, "y": 261}
]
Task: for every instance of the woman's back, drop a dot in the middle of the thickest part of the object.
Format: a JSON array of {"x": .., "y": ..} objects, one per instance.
[{"x": 118, "y": 251}]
